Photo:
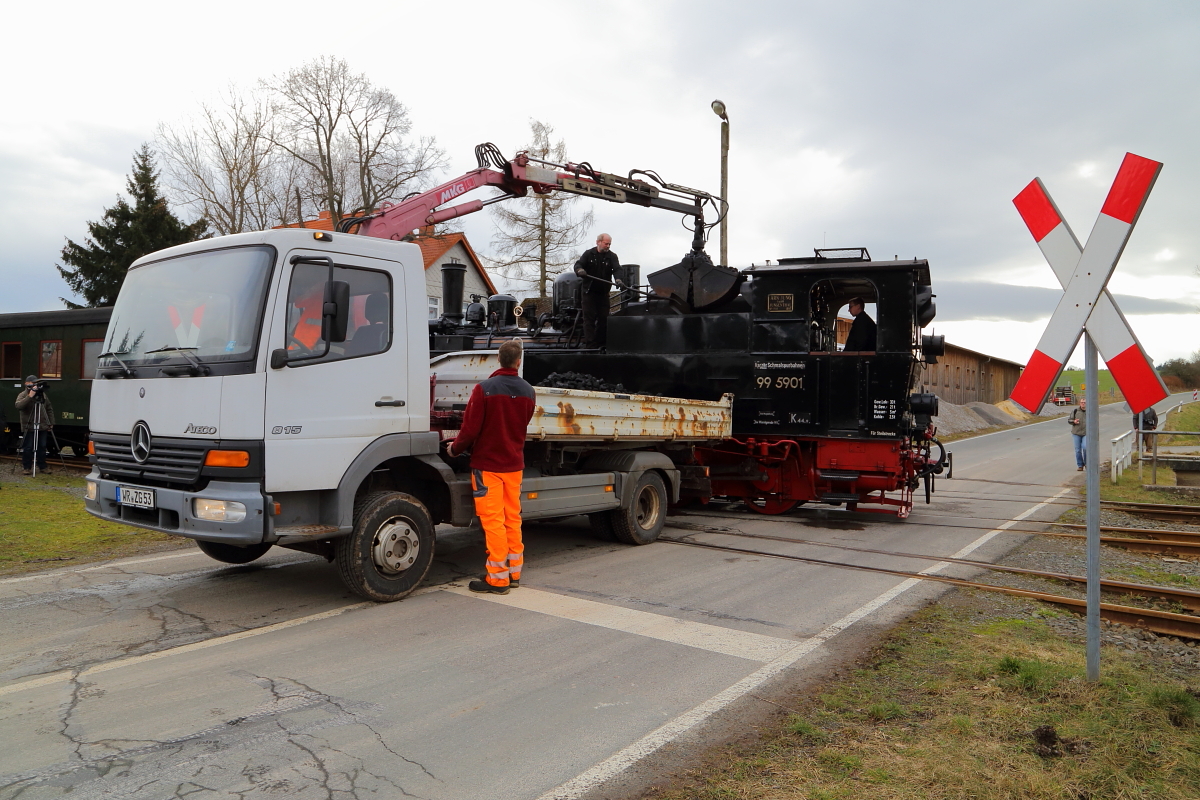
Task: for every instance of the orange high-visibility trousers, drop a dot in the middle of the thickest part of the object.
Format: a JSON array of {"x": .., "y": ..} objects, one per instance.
[{"x": 498, "y": 504}]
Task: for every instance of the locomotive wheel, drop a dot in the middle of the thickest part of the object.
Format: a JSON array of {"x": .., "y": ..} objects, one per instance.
[
  {"x": 770, "y": 505},
  {"x": 232, "y": 554}
]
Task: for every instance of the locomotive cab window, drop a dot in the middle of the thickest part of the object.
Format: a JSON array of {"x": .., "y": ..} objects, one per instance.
[{"x": 844, "y": 315}]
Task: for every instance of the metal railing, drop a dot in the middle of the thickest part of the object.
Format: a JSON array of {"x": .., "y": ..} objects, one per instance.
[
  {"x": 1125, "y": 447},
  {"x": 1122, "y": 453}
]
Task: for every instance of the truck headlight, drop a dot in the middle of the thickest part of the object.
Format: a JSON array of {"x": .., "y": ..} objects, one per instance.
[
  {"x": 92, "y": 491},
  {"x": 218, "y": 510}
]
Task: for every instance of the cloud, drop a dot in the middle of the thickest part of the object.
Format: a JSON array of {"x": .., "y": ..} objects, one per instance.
[{"x": 977, "y": 300}]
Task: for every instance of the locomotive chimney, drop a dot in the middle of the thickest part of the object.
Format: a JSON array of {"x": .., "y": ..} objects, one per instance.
[{"x": 453, "y": 278}]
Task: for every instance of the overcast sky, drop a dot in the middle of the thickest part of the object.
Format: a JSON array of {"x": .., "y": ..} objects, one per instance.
[{"x": 904, "y": 127}]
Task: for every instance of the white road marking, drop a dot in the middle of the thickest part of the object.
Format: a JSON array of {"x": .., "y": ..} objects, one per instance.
[
  {"x": 714, "y": 638},
  {"x": 108, "y": 565},
  {"x": 622, "y": 760},
  {"x": 67, "y": 675}
]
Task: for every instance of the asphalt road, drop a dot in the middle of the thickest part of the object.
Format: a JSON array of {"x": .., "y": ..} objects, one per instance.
[{"x": 175, "y": 676}]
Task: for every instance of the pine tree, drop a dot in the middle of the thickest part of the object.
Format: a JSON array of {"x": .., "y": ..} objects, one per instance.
[{"x": 124, "y": 234}]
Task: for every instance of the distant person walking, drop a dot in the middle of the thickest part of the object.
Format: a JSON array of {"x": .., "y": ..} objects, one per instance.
[
  {"x": 1148, "y": 422},
  {"x": 1078, "y": 420},
  {"x": 493, "y": 430}
]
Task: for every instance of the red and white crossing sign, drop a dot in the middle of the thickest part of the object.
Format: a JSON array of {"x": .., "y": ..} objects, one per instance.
[{"x": 1086, "y": 303}]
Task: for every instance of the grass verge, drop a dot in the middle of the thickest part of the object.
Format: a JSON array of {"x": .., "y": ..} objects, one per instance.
[
  {"x": 1129, "y": 488},
  {"x": 963, "y": 704},
  {"x": 1185, "y": 419},
  {"x": 43, "y": 525}
]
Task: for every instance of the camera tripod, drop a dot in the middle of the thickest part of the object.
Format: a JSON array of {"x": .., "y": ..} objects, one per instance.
[{"x": 39, "y": 406}]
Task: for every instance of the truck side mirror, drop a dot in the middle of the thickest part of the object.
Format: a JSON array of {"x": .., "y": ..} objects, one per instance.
[
  {"x": 336, "y": 311},
  {"x": 279, "y": 358}
]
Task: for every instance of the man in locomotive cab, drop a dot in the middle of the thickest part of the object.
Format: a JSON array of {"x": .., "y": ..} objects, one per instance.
[
  {"x": 599, "y": 268},
  {"x": 861, "y": 338}
]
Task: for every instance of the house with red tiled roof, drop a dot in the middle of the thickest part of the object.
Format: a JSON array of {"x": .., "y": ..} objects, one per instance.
[{"x": 437, "y": 249}]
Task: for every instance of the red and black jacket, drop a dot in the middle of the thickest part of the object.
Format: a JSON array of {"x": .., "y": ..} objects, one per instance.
[{"x": 495, "y": 423}]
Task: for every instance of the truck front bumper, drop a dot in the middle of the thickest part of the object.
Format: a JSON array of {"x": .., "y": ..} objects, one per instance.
[{"x": 173, "y": 511}]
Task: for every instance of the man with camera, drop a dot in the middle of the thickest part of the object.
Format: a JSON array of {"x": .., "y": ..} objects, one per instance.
[{"x": 37, "y": 418}]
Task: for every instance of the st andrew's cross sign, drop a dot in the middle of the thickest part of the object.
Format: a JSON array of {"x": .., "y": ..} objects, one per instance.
[{"x": 1086, "y": 303}]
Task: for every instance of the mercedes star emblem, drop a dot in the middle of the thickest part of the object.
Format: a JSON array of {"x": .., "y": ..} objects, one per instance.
[{"x": 139, "y": 442}]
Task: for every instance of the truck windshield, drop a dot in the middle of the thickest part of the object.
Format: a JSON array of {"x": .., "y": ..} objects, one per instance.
[{"x": 208, "y": 305}]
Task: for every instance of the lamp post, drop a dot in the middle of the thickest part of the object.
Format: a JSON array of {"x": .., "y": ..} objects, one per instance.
[{"x": 719, "y": 109}]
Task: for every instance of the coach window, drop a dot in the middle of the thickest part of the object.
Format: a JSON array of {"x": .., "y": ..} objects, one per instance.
[
  {"x": 91, "y": 355},
  {"x": 370, "y": 325},
  {"x": 50, "y": 360},
  {"x": 10, "y": 361}
]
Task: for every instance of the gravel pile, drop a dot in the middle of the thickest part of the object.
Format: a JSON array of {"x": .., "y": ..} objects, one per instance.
[
  {"x": 976, "y": 416},
  {"x": 577, "y": 380}
]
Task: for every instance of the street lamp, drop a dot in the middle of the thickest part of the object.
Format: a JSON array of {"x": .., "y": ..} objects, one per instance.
[{"x": 719, "y": 109}]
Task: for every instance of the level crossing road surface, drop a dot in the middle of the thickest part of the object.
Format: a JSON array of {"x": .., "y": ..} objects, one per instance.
[{"x": 174, "y": 676}]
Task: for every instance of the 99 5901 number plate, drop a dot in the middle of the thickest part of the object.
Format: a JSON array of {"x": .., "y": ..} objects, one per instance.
[{"x": 140, "y": 498}]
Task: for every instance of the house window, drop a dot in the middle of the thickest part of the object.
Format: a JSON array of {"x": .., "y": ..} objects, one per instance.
[
  {"x": 433, "y": 307},
  {"x": 50, "y": 360},
  {"x": 10, "y": 361},
  {"x": 91, "y": 353}
]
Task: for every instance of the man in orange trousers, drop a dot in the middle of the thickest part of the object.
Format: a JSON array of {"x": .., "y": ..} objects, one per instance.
[{"x": 493, "y": 430}]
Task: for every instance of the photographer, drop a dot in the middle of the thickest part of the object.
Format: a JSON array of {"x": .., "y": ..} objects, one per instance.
[{"x": 35, "y": 409}]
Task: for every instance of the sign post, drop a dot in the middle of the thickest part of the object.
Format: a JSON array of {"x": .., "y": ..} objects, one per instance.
[
  {"x": 1087, "y": 309},
  {"x": 1092, "y": 448}
]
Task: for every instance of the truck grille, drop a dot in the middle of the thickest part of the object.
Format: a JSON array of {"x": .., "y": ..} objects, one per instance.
[{"x": 171, "y": 461}]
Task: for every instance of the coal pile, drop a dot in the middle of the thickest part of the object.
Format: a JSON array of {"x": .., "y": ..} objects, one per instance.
[{"x": 577, "y": 380}]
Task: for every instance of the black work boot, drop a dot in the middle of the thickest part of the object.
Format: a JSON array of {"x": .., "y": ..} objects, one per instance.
[
  {"x": 483, "y": 587},
  {"x": 514, "y": 583}
]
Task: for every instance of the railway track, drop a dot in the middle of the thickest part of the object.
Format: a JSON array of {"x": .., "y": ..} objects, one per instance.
[
  {"x": 1169, "y": 512},
  {"x": 67, "y": 462},
  {"x": 1185, "y": 626}
]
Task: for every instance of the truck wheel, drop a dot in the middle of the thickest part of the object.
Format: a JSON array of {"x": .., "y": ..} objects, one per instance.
[
  {"x": 644, "y": 519},
  {"x": 232, "y": 554},
  {"x": 390, "y": 549}
]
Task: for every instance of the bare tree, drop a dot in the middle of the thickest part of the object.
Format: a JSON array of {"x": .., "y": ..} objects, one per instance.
[
  {"x": 538, "y": 235},
  {"x": 352, "y": 137},
  {"x": 223, "y": 165}
]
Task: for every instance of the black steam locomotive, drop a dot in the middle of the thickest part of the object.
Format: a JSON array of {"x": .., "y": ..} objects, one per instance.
[{"x": 811, "y": 422}]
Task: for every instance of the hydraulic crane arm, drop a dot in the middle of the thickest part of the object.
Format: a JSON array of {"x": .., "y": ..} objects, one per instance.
[{"x": 515, "y": 178}]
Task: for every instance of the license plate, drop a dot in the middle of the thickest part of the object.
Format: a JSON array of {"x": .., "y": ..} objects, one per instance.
[{"x": 142, "y": 498}]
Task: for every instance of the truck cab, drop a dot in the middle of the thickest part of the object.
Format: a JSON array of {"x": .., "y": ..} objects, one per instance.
[{"x": 236, "y": 393}]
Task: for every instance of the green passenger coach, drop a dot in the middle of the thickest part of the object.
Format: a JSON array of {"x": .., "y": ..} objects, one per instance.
[{"x": 61, "y": 348}]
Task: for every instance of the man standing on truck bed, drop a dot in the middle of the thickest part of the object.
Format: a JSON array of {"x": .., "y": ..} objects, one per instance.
[
  {"x": 601, "y": 263},
  {"x": 493, "y": 430}
]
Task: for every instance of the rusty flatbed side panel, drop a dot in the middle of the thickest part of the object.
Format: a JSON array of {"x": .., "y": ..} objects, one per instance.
[{"x": 576, "y": 414}]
